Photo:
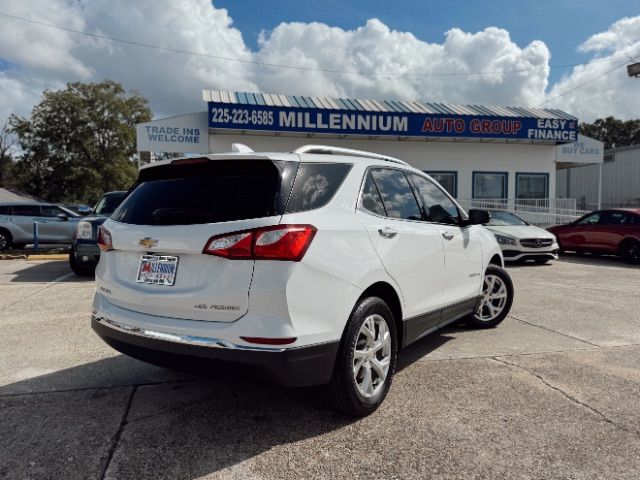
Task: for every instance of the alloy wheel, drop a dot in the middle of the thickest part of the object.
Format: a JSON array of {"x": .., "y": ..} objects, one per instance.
[
  {"x": 632, "y": 252},
  {"x": 372, "y": 356},
  {"x": 494, "y": 298},
  {"x": 3, "y": 241}
]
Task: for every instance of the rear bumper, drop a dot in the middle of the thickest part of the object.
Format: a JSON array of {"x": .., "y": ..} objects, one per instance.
[{"x": 291, "y": 367}]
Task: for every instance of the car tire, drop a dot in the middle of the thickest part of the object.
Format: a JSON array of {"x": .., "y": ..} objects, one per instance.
[
  {"x": 630, "y": 251},
  {"x": 542, "y": 261},
  {"x": 360, "y": 390},
  {"x": 80, "y": 270},
  {"x": 496, "y": 300},
  {"x": 5, "y": 239}
]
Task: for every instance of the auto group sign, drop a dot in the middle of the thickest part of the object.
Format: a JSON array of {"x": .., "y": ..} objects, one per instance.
[{"x": 349, "y": 122}]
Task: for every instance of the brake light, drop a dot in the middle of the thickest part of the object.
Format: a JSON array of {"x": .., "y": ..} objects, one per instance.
[
  {"x": 104, "y": 239},
  {"x": 190, "y": 161},
  {"x": 278, "y": 242}
]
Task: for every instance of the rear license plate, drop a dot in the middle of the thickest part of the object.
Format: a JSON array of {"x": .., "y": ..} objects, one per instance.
[{"x": 157, "y": 269}]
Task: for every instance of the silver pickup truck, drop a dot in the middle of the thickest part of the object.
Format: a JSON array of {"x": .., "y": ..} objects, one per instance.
[{"x": 56, "y": 224}]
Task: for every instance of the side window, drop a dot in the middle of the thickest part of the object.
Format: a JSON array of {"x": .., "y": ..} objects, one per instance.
[
  {"x": 4, "y": 210},
  {"x": 590, "y": 219},
  {"x": 447, "y": 180},
  {"x": 397, "y": 196},
  {"x": 371, "y": 197},
  {"x": 614, "y": 218},
  {"x": 438, "y": 207},
  {"x": 26, "y": 210},
  {"x": 50, "y": 211},
  {"x": 315, "y": 185}
]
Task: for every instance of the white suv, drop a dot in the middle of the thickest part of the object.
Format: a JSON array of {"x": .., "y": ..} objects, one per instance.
[{"x": 304, "y": 268}]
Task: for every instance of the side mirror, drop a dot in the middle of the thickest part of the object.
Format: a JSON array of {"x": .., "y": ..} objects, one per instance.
[
  {"x": 478, "y": 217},
  {"x": 63, "y": 216}
]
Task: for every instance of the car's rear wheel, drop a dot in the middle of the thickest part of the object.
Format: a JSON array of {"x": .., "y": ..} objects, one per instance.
[
  {"x": 496, "y": 300},
  {"x": 81, "y": 270},
  {"x": 5, "y": 239},
  {"x": 630, "y": 251},
  {"x": 366, "y": 359}
]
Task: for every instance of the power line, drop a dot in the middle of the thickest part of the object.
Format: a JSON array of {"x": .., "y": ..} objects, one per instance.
[
  {"x": 278, "y": 65},
  {"x": 587, "y": 82}
]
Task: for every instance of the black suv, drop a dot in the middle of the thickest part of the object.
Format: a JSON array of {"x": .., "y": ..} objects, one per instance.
[{"x": 85, "y": 254}]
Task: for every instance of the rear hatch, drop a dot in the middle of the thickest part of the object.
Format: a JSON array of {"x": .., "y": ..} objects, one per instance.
[{"x": 165, "y": 223}]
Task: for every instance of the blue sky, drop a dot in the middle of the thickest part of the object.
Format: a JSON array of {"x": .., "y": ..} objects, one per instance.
[
  {"x": 503, "y": 65},
  {"x": 561, "y": 24}
]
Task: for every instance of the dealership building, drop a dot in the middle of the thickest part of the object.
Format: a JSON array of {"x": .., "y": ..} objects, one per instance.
[{"x": 474, "y": 151}]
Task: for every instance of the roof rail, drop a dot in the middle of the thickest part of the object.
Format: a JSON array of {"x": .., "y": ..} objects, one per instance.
[{"x": 329, "y": 150}]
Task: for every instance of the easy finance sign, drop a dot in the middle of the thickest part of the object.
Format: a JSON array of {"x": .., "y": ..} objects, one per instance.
[
  {"x": 181, "y": 134},
  {"x": 349, "y": 122}
]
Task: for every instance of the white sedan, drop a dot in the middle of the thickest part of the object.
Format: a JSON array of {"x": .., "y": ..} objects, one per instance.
[{"x": 520, "y": 240}]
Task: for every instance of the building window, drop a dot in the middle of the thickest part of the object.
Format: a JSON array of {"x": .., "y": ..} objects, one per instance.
[
  {"x": 532, "y": 185},
  {"x": 490, "y": 184},
  {"x": 448, "y": 181}
]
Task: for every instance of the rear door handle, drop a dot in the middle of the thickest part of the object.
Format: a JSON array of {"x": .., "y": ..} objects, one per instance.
[
  {"x": 387, "y": 232},
  {"x": 447, "y": 236}
]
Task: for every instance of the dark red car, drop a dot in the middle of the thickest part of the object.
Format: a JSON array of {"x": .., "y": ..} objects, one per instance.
[{"x": 615, "y": 231}]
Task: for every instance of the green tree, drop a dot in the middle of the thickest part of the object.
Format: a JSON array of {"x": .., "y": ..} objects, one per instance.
[
  {"x": 79, "y": 142},
  {"x": 613, "y": 132},
  {"x": 6, "y": 161}
]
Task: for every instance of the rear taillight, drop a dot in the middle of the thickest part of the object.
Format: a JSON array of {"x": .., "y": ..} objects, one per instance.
[
  {"x": 104, "y": 239},
  {"x": 279, "y": 242}
]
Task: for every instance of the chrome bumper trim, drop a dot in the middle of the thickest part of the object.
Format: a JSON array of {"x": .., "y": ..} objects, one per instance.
[{"x": 184, "y": 339}]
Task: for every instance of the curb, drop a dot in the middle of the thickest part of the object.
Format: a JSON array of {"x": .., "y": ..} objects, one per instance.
[
  {"x": 53, "y": 256},
  {"x": 13, "y": 257}
]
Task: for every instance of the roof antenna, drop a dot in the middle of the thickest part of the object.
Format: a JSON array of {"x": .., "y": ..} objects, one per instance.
[{"x": 240, "y": 148}]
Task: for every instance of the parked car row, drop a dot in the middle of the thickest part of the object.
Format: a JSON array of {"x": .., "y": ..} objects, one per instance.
[
  {"x": 603, "y": 232},
  {"x": 56, "y": 224},
  {"x": 611, "y": 232}
]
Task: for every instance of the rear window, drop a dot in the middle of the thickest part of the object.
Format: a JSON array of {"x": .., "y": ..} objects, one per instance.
[
  {"x": 315, "y": 185},
  {"x": 207, "y": 192},
  {"x": 108, "y": 203}
]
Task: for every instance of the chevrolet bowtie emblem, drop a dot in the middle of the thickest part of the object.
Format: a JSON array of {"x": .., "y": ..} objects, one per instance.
[{"x": 148, "y": 242}]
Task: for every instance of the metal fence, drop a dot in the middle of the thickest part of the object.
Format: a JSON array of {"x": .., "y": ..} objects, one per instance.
[{"x": 542, "y": 212}]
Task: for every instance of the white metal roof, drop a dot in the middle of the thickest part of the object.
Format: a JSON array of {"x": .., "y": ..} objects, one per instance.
[{"x": 252, "y": 98}]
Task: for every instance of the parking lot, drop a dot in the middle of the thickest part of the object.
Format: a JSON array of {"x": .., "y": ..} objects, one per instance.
[{"x": 553, "y": 392}]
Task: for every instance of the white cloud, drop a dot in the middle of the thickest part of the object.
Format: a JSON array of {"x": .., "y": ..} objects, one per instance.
[
  {"x": 43, "y": 57},
  {"x": 375, "y": 48},
  {"x": 614, "y": 93},
  {"x": 41, "y": 50}
]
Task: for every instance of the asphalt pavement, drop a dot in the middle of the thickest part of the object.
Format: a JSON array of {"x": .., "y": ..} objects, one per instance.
[{"x": 553, "y": 392}]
